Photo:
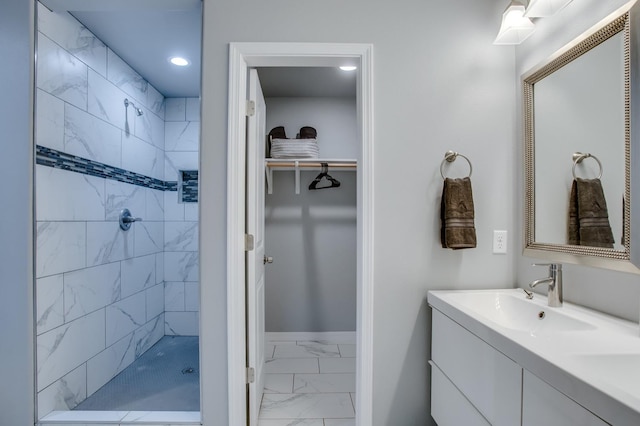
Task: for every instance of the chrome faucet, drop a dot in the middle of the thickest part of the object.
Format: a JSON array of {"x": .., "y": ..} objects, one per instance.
[{"x": 554, "y": 281}]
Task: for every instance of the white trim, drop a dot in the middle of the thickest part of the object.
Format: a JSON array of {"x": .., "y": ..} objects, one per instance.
[
  {"x": 364, "y": 320},
  {"x": 341, "y": 337},
  {"x": 241, "y": 56},
  {"x": 236, "y": 187}
]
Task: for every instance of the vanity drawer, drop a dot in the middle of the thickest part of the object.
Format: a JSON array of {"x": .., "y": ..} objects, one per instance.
[
  {"x": 449, "y": 407},
  {"x": 544, "y": 405},
  {"x": 487, "y": 378}
]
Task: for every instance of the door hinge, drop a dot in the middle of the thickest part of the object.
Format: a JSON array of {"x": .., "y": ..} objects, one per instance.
[
  {"x": 251, "y": 375},
  {"x": 248, "y": 242},
  {"x": 251, "y": 108}
]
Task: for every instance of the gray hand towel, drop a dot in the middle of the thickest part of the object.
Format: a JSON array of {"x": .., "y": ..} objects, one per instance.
[
  {"x": 588, "y": 215},
  {"x": 456, "y": 213}
]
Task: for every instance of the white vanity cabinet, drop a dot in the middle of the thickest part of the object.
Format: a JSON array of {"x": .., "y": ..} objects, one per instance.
[
  {"x": 448, "y": 405},
  {"x": 472, "y": 383},
  {"x": 544, "y": 405},
  {"x": 487, "y": 379}
]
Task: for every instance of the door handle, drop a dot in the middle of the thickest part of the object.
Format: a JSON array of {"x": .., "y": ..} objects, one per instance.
[{"x": 267, "y": 259}]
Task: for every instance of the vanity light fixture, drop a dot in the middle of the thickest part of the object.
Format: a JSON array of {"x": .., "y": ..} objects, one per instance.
[
  {"x": 348, "y": 68},
  {"x": 179, "y": 61},
  {"x": 544, "y": 8},
  {"x": 515, "y": 26}
]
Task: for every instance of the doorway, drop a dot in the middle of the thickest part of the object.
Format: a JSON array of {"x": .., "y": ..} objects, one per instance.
[
  {"x": 242, "y": 57},
  {"x": 310, "y": 238}
]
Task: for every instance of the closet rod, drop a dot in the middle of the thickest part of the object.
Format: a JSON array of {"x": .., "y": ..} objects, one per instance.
[{"x": 303, "y": 163}]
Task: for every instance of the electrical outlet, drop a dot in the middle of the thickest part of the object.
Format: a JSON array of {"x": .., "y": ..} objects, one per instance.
[{"x": 500, "y": 242}]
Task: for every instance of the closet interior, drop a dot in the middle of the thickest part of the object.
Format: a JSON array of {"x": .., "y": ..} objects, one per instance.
[{"x": 310, "y": 236}]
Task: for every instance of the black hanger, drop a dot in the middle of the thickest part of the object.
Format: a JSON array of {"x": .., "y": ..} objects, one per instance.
[{"x": 324, "y": 174}]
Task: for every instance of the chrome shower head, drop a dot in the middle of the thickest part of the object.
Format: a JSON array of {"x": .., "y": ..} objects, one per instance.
[{"x": 138, "y": 111}]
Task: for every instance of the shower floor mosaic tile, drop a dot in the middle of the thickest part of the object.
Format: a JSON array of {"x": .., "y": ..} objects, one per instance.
[
  {"x": 165, "y": 378},
  {"x": 309, "y": 383}
]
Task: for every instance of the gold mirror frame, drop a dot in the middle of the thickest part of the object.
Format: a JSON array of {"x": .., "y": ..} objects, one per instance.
[{"x": 618, "y": 22}]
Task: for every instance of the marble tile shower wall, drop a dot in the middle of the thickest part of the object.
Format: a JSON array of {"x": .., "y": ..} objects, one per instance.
[
  {"x": 182, "y": 132},
  {"x": 101, "y": 291}
]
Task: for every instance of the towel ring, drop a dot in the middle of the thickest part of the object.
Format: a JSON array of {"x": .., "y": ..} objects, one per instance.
[
  {"x": 577, "y": 159},
  {"x": 450, "y": 157}
]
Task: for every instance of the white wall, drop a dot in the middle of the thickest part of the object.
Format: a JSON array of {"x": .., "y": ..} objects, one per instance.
[
  {"x": 612, "y": 292},
  {"x": 439, "y": 84},
  {"x": 311, "y": 285},
  {"x": 16, "y": 224}
]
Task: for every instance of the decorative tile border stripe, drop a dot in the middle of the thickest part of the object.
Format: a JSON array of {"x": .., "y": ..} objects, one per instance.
[
  {"x": 60, "y": 160},
  {"x": 189, "y": 187}
]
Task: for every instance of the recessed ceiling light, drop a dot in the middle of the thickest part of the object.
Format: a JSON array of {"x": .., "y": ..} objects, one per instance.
[
  {"x": 177, "y": 60},
  {"x": 348, "y": 68}
]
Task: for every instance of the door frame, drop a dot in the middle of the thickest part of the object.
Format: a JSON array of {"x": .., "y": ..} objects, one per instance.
[{"x": 242, "y": 56}]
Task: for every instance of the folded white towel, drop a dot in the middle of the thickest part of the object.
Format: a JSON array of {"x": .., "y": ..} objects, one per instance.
[
  {"x": 294, "y": 148},
  {"x": 294, "y": 141}
]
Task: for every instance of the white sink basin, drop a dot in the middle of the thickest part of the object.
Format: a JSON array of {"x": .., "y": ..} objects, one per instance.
[{"x": 515, "y": 312}]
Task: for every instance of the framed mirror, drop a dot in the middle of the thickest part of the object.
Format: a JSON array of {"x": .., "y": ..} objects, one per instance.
[{"x": 578, "y": 138}]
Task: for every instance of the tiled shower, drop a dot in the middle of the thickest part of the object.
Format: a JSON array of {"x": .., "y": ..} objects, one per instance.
[{"x": 104, "y": 296}]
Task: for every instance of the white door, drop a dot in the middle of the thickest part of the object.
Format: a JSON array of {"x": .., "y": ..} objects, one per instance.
[{"x": 256, "y": 136}]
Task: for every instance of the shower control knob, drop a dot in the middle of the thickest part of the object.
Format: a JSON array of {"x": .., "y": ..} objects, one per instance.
[
  {"x": 267, "y": 259},
  {"x": 126, "y": 219}
]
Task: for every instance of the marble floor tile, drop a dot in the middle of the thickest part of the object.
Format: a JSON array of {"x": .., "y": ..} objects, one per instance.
[
  {"x": 162, "y": 416},
  {"x": 290, "y": 422},
  {"x": 347, "y": 351},
  {"x": 340, "y": 422},
  {"x": 307, "y": 406},
  {"x": 282, "y": 342},
  {"x": 278, "y": 383},
  {"x": 337, "y": 365},
  {"x": 312, "y": 350},
  {"x": 321, "y": 375},
  {"x": 291, "y": 365},
  {"x": 86, "y": 416},
  {"x": 324, "y": 383}
]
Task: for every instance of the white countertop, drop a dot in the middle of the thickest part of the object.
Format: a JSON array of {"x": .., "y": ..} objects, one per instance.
[{"x": 589, "y": 356}]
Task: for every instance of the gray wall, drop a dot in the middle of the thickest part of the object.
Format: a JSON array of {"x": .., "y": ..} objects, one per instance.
[
  {"x": 439, "y": 84},
  {"x": 311, "y": 286},
  {"x": 16, "y": 226},
  {"x": 616, "y": 293}
]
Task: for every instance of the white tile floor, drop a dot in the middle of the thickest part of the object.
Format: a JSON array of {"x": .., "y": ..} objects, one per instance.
[{"x": 309, "y": 383}]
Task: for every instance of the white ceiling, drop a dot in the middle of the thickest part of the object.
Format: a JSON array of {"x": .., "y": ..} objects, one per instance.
[{"x": 145, "y": 33}]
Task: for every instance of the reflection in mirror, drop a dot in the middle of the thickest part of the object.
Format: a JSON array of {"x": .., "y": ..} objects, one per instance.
[
  {"x": 580, "y": 108},
  {"x": 578, "y": 102}
]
